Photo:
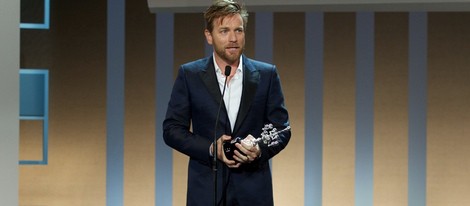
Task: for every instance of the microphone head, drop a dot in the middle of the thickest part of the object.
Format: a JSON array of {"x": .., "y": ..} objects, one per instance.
[{"x": 228, "y": 69}]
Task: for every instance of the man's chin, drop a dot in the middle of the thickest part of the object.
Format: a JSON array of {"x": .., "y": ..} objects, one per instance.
[{"x": 232, "y": 58}]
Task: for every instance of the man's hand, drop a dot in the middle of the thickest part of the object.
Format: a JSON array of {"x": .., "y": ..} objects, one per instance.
[
  {"x": 221, "y": 154},
  {"x": 248, "y": 152}
]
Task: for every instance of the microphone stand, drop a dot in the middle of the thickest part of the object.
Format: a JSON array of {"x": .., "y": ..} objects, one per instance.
[{"x": 214, "y": 144}]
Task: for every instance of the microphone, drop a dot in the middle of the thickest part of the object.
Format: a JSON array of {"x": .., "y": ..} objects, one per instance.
[{"x": 227, "y": 72}]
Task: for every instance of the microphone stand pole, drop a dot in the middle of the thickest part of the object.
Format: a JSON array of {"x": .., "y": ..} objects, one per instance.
[{"x": 214, "y": 143}]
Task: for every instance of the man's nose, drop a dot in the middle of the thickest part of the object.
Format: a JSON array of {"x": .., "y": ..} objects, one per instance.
[{"x": 232, "y": 37}]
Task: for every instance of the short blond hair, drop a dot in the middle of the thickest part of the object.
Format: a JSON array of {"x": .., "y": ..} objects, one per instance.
[{"x": 223, "y": 8}]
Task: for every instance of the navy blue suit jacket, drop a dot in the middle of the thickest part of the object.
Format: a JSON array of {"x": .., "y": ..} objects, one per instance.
[{"x": 194, "y": 102}]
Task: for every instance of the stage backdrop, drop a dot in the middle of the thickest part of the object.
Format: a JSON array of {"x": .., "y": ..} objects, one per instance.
[{"x": 378, "y": 103}]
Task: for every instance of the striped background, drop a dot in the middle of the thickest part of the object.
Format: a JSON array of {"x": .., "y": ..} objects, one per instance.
[{"x": 378, "y": 104}]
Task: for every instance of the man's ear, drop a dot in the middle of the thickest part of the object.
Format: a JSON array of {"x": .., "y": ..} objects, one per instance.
[{"x": 208, "y": 35}]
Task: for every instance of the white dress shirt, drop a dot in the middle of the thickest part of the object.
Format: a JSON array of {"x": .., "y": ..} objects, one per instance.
[{"x": 233, "y": 91}]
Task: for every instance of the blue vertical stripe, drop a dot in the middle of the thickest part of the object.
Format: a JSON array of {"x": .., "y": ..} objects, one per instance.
[
  {"x": 207, "y": 48},
  {"x": 417, "y": 108},
  {"x": 115, "y": 103},
  {"x": 34, "y": 105},
  {"x": 164, "y": 78},
  {"x": 45, "y": 126},
  {"x": 264, "y": 36},
  {"x": 46, "y": 19},
  {"x": 364, "y": 168},
  {"x": 314, "y": 36}
]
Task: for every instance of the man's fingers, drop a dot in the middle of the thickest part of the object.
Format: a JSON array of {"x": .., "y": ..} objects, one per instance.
[{"x": 243, "y": 158}]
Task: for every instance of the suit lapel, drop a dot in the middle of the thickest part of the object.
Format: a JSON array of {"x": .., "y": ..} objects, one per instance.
[
  {"x": 251, "y": 79},
  {"x": 250, "y": 84},
  {"x": 209, "y": 78}
]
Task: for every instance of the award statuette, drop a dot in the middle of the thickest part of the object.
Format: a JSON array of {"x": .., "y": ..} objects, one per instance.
[{"x": 269, "y": 137}]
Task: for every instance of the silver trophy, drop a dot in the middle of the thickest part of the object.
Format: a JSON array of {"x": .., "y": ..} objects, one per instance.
[{"x": 269, "y": 137}]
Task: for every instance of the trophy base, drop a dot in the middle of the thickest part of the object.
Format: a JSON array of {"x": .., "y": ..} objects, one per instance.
[{"x": 229, "y": 148}]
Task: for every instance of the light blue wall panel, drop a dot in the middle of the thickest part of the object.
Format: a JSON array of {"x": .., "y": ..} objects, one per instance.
[
  {"x": 34, "y": 106},
  {"x": 115, "y": 102},
  {"x": 364, "y": 164},
  {"x": 264, "y": 36},
  {"x": 314, "y": 46},
  {"x": 417, "y": 105},
  {"x": 46, "y": 21},
  {"x": 164, "y": 80}
]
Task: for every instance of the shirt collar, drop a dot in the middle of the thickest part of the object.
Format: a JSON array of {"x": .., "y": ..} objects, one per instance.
[{"x": 219, "y": 71}]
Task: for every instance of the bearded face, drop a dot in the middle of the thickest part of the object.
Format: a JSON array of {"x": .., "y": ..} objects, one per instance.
[{"x": 227, "y": 38}]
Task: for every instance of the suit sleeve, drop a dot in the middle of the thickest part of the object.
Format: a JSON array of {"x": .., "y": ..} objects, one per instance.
[
  {"x": 176, "y": 126},
  {"x": 276, "y": 113}
]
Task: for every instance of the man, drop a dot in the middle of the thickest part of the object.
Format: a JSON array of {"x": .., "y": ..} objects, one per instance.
[{"x": 253, "y": 98}]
